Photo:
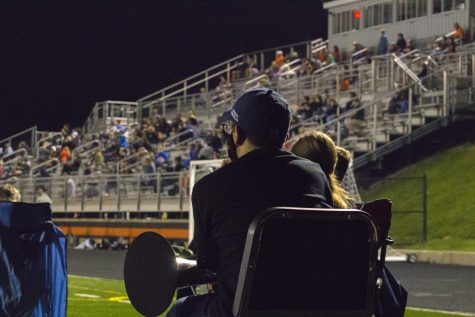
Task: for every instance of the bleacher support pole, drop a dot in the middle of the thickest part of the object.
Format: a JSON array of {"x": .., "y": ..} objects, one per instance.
[
  {"x": 409, "y": 117},
  {"x": 473, "y": 74},
  {"x": 424, "y": 208},
  {"x": 446, "y": 95}
]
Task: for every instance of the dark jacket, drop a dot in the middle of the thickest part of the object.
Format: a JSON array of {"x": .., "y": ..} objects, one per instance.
[{"x": 226, "y": 201}]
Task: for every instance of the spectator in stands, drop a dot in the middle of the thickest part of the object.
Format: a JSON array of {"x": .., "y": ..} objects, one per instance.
[
  {"x": 383, "y": 43},
  {"x": 307, "y": 68},
  {"x": 42, "y": 196},
  {"x": 399, "y": 103},
  {"x": 332, "y": 110},
  {"x": 303, "y": 109},
  {"x": 148, "y": 175},
  {"x": 216, "y": 142},
  {"x": 323, "y": 56},
  {"x": 336, "y": 54},
  {"x": 7, "y": 149},
  {"x": 326, "y": 98},
  {"x": 178, "y": 164},
  {"x": 2, "y": 169},
  {"x": 359, "y": 52},
  {"x": 411, "y": 46},
  {"x": 8, "y": 192},
  {"x": 451, "y": 45},
  {"x": 274, "y": 72},
  {"x": 162, "y": 156},
  {"x": 193, "y": 124},
  {"x": 206, "y": 152},
  {"x": 279, "y": 57},
  {"x": 123, "y": 139},
  {"x": 23, "y": 145},
  {"x": 320, "y": 148},
  {"x": 423, "y": 74},
  {"x": 70, "y": 186},
  {"x": 98, "y": 159},
  {"x": 64, "y": 155},
  {"x": 356, "y": 121},
  {"x": 458, "y": 32},
  {"x": 401, "y": 43}
]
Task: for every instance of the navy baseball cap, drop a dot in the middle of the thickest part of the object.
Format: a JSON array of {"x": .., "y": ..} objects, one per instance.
[{"x": 259, "y": 111}]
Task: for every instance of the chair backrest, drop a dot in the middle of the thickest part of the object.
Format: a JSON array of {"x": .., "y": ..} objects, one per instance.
[
  {"x": 33, "y": 269},
  {"x": 308, "y": 262},
  {"x": 380, "y": 211}
]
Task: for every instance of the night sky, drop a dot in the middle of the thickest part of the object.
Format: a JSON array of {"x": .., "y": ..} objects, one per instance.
[{"x": 59, "y": 57}]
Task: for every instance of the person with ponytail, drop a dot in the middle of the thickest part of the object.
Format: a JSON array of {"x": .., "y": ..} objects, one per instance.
[{"x": 320, "y": 148}]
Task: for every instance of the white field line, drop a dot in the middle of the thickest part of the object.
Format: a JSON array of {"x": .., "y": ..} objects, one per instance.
[
  {"x": 87, "y": 295},
  {"x": 93, "y": 278},
  {"x": 441, "y": 311},
  {"x": 95, "y": 290}
]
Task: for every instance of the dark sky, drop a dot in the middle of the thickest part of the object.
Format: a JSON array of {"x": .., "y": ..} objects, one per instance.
[{"x": 59, "y": 57}]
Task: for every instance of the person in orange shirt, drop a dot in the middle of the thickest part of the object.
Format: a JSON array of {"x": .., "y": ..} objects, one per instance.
[
  {"x": 64, "y": 155},
  {"x": 458, "y": 31},
  {"x": 279, "y": 57}
]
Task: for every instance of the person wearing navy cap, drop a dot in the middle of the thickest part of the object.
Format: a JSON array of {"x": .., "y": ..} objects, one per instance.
[{"x": 260, "y": 175}]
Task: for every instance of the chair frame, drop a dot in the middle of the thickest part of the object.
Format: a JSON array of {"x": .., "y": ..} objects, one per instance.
[{"x": 251, "y": 251}]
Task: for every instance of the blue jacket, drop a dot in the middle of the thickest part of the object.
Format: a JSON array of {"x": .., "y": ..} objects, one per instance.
[
  {"x": 33, "y": 271},
  {"x": 383, "y": 45}
]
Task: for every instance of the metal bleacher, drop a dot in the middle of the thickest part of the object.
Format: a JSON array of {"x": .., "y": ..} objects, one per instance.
[{"x": 448, "y": 86}]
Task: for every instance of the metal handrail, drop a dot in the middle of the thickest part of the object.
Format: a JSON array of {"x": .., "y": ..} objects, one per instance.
[
  {"x": 409, "y": 71},
  {"x": 14, "y": 154},
  {"x": 321, "y": 69},
  {"x": 5, "y": 140},
  {"x": 440, "y": 38},
  {"x": 352, "y": 112},
  {"x": 409, "y": 53},
  {"x": 34, "y": 168},
  {"x": 184, "y": 85},
  {"x": 126, "y": 159},
  {"x": 320, "y": 46},
  {"x": 76, "y": 151},
  {"x": 361, "y": 51},
  {"x": 169, "y": 141},
  {"x": 50, "y": 136},
  {"x": 180, "y": 83}
]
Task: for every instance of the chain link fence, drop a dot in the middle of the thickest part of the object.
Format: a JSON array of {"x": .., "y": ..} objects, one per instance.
[{"x": 409, "y": 197}]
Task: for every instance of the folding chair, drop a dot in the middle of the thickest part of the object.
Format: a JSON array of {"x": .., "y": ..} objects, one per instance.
[
  {"x": 308, "y": 262},
  {"x": 33, "y": 276},
  {"x": 391, "y": 297}
]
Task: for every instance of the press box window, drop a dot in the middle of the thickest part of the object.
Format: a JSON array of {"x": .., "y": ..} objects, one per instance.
[
  {"x": 345, "y": 21},
  {"x": 448, "y": 5},
  {"x": 411, "y": 9},
  {"x": 378, "y": 14}
]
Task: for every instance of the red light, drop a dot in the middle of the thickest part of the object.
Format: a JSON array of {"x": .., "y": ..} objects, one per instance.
[{"x": 357, "y": 14}]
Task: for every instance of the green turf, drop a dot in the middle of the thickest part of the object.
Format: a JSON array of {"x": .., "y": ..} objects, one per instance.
[
  {"x": 112, "y": 300},
  {"x": 416, "y": 313},
  {"x": 450, "y": 200}
]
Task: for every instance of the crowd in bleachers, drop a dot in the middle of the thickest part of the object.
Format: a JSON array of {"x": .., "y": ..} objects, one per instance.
[
  {"x": 137, "y": 148},
  {"x": 146, "y": 147}
]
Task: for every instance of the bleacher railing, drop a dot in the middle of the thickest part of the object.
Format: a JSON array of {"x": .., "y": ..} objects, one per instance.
[
  {"x": 227, "y": 71},
  {"x": 29, "y": 136},
  {"x": 106, "y": 114},
  {"x": 98, "y": 193}
]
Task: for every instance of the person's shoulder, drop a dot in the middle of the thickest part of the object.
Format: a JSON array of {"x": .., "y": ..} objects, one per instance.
[{"x": 211, "y": 180}]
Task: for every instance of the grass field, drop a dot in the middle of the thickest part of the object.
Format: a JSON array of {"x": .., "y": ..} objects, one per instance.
[
  {"x": 450, "y": 200},
  {"x": 93, "y": 297}
]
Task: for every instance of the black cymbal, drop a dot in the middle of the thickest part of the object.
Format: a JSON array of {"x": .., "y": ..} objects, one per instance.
[{"x": 150, "y": 274}]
